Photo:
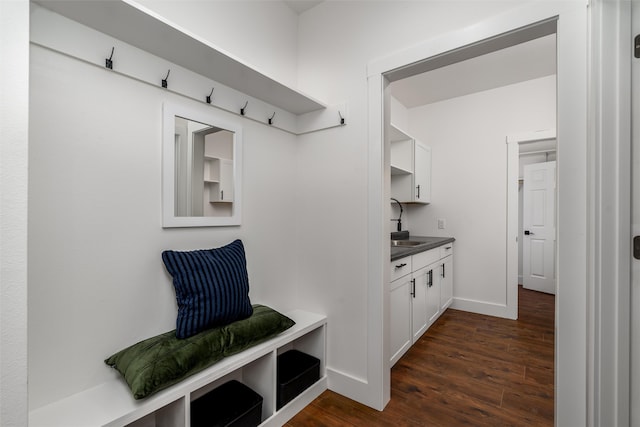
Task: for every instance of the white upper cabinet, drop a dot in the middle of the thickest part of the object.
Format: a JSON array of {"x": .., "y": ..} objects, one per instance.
[
  {"x": 410, "y": 168},
  {"x": 422, "y": 173}
]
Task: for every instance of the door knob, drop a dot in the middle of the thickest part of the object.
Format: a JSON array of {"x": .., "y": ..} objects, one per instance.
[{"x": 527, "y": 233}]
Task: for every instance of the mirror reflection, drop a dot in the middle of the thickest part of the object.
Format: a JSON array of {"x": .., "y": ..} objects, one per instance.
[{"x": 203, "y": 169}]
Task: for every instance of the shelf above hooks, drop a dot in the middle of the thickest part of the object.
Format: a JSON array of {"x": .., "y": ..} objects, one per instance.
[
  {"x": 147, "y": 68},
  {"x": 152, "y": 33}
]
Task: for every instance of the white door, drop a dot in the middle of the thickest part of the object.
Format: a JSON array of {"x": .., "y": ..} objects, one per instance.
[{"x": 539, "y": 225}]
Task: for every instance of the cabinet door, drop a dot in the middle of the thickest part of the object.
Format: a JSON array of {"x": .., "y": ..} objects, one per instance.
[
  {"x": 446, "y": 282},
  {"x": 433, "y": 293},
  {"x": 226, "y": 180},
  {"x": 221, "y": 181},
  {"x": 422, "y": 173},
  {"x": 419, "y": 303},
  {"x": 400, "y": 317}
]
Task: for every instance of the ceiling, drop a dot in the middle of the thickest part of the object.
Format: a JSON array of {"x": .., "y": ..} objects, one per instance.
[
  {"x": 299, "y": 6},
  {"x": 525, "y": 61}
]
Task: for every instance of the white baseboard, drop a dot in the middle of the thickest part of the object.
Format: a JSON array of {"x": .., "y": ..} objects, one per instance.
[
  {"x": 354, "y": 388},
  {"x": 484, "y": 307}
]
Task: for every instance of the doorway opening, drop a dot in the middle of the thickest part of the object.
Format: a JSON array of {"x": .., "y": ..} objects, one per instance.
[
  {"x": 473, "y": 84},
  {"x": 568, "y": 22},
  {"x": 530, "y": 149},
  {"x": 457, "y": 109}
]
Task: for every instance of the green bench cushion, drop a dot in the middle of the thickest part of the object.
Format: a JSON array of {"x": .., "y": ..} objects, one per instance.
[{"x": 161, "y": 361}]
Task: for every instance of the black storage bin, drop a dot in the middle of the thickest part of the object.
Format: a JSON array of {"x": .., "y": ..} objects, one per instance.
[
  {"x": 297, "y": 371},
  {"x": 233, "y": 404}
]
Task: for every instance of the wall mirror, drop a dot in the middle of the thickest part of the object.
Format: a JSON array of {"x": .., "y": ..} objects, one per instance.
[{"x": 201, "y": 168}]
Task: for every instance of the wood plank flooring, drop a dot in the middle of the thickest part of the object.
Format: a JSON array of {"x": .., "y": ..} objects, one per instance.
[{"x": 468, "y": 369}]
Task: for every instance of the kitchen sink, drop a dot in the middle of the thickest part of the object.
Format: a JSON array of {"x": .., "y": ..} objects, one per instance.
[{"x": 405, "y": 243}]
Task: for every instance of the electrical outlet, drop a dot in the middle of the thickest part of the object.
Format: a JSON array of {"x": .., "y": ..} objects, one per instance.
[{"x": 442, "y": 224}]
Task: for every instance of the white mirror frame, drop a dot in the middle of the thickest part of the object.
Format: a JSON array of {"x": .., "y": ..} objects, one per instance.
[{"x": 210, "y": 117}]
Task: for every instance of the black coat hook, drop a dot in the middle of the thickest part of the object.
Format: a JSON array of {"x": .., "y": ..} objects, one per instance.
[
  {"x": 164, "y": 81},
  {"x": 243, "y": 108},
  {"x": 108, "y": 61},
  {"x": 341, "y": 118},
  {"x": 209, "y": 96},
  {"x": 271, "y": 118}
]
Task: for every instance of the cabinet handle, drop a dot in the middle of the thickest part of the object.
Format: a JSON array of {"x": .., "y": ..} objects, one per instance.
[
  {"x": 448, "y": 247},
  {"x": 430, "y": 282},
  {"x": 418, "y": 195},
  {"x": 413, "y": 288},
  {"x": 221, "y": 194},
  {"x": 401, "y": 265},
  {"x": 443, "y": 270}
]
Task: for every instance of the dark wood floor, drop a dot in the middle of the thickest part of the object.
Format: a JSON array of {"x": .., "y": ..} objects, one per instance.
[{"x": 468, "y": 369}]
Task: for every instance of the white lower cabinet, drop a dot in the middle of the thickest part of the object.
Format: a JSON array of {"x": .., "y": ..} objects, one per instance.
[
  {"x": 433, "y": 294},
  {"x": 420, "y": 290},
  {"x": 419, "y": 303},
  {"x": 400, "y": 322},
  {"x": 446, "y": 282}
]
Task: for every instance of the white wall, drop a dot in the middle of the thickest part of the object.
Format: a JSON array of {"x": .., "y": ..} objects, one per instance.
[
  {"x": 96, "y": 279},
  {"x": 467, "y": 136},
  {"x": 324, "y": 198},
  {"x": 14, "y": 90},
  {"x": 337, "y": 42}
]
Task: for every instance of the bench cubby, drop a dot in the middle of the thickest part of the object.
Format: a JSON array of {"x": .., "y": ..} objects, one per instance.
[{"x": 111, "y": 404}]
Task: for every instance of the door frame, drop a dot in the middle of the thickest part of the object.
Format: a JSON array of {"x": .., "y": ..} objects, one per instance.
[
  {"x": 573, "y": 322},
  {"x": 513, "y": 164},
  {"x": 610, "y": 207}
]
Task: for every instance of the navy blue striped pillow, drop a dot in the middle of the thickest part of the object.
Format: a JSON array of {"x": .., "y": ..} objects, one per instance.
[{"x": 212, "y": 287}]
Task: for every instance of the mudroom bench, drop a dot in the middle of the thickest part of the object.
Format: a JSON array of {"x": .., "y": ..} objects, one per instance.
[{"x": 112, "y": 404}]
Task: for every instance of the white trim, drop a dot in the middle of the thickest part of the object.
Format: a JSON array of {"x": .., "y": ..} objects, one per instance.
[
  {"x": 348, "y": 385},
  {"x": 482, "y": 307},
  {"x": 610, "y": 187},
  {"x": 14, "y": 174},
  {"x": 513, "y": 153},
  {"x": 375, "y": 390}
]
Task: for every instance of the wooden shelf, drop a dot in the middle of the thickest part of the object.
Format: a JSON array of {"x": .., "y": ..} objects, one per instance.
[{"x": 132, "y": 23}]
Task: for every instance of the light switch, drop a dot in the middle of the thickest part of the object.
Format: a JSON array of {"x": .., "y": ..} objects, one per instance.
[{"x": 442, "y": 224}]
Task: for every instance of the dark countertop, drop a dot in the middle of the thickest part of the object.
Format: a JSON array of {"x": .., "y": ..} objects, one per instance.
[{"x": 429, "y": 243}]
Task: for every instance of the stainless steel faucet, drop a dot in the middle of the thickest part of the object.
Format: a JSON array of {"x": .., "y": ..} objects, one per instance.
[{"x": 400, "y": 217}]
